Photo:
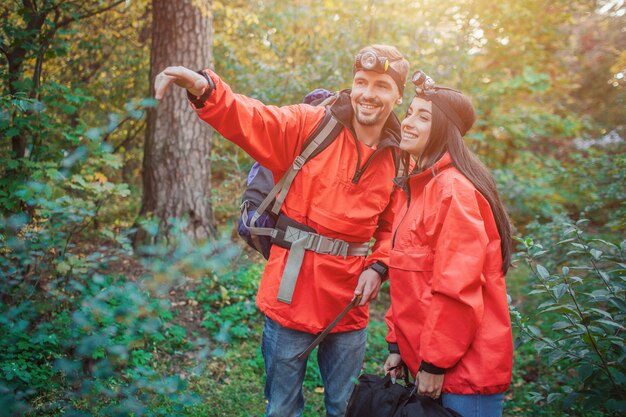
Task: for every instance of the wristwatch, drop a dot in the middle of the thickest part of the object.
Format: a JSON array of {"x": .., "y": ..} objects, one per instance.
[
  {"x": 380, "y": 268},
  {"x": 198, "y": 101}
]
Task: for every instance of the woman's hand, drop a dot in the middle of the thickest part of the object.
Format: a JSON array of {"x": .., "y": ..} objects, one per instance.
[
  {"x": 429, "y": 385},
  {"x": 394, "y": 360}
]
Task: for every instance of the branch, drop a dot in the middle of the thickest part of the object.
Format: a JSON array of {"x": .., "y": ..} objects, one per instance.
[
  {"x": 130, "y": 136},
  {"x": 69, "y": 20},
  {"x": 29, "y": 5},
  {"x": 124, "y": 120}
]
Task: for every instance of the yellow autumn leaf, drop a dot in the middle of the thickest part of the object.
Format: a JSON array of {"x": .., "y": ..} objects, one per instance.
[{"x": 100, "y": 177}]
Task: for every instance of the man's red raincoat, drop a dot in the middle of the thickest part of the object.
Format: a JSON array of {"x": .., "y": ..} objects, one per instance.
[{"x": 343, "y": 193}]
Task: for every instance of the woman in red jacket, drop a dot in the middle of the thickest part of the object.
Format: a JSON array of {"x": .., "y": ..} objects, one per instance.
[{"x": 449, "y": 320}]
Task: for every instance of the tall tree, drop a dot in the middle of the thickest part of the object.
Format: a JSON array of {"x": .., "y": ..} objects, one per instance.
[{"x": 176, "y": 164}]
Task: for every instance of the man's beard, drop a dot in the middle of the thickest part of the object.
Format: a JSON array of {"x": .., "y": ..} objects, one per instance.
[{"x": 371, "y": 119}]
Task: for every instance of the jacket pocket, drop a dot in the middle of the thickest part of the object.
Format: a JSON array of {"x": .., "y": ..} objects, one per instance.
[{"x": 412, "y": 259}]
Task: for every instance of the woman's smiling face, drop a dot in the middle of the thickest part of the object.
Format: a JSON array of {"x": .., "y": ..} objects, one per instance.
[{"x": 416, "y": 127}]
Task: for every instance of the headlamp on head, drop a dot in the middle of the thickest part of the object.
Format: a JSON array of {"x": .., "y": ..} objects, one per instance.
[
  {"x": 425, "y": 88},
  {"x": 423, "y": 83},
  {"x": 369, "y": 61}
]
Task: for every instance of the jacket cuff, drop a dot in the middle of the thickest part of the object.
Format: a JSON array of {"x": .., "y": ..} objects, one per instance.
[
  {"x": 199, "y": 101},
  {"x": 393, "y": 348},
  {"x": 431, "y": 369}
]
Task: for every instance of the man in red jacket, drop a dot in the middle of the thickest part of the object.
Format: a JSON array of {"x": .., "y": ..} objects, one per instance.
[{"x": 340, "y": 199}]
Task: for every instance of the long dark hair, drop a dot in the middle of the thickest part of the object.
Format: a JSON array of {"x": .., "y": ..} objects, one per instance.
[{"x": 445, "y": 136}]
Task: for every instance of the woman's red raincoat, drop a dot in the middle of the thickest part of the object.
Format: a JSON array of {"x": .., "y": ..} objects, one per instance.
[{"x": 448, "y": 297}]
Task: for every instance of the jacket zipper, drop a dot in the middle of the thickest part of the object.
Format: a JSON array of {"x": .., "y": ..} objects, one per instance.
[
  {"x": 359, "y": 171},
  {"x": 408, "y": 204}
]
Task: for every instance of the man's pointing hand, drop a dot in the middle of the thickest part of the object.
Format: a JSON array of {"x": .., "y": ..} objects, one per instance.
[{"x": 182, "y": 77}]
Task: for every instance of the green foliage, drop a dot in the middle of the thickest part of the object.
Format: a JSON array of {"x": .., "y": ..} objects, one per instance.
[
  {"x": 582, "y": 318},
  {"x": 79, "y": 339},
  {"x": 586, "y": 180},
  {"x": 92, "y": 340},
  {"x": 228, "y": 302}
]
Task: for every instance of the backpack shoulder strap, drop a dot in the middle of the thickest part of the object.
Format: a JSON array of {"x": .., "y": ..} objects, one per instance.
[
  {"x": 319, "y": 140},
  {"x": 321, "y": 137}
]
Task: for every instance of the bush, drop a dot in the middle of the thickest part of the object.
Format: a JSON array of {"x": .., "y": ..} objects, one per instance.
[
  {"x": 580, "y": 320},
  {"x": 79, "y": 339}
]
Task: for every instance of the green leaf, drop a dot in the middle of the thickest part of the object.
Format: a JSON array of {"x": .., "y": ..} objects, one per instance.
[
  {"x": 585, "y": 371},
  {"x": 553, "y": 397},
  {"x": 12, "y": 132},
  {"x": 618, "y": 406},
  {"x": 605, "y": 276},
  {"x": 618, "y": 376},
  {"x": 93, "y": 134},
  {"x": 602, "y": 312},
  {"x": 610, "y": 323},
  {"x": 148, "y": 102},
  {"x": 63, "y": 268},
  {"x": 570, "y": 399},
  {"x": 535, "y": 330},
  {"x": 609, "y": 244},
  {"x": 561, "y": 242},
  {"x": 559, "y": 290},
  {"x": 67, "y": 108},
  {"x": 545, "y": 304},
  {"x": 535, "y": 397},
  {"x": 560, "y": 325},
  {"x": 543, "y": 272},
  {"x": 560, "y": 309},
  {"x": 597, "y": 254}
]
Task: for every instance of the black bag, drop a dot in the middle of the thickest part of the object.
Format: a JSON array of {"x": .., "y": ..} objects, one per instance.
[{"x": 379, "y": 397}]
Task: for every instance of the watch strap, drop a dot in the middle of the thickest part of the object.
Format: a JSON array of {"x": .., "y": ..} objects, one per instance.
[
  {"x": 380, "y": 268},
  {"x": 199, "y": 101}
]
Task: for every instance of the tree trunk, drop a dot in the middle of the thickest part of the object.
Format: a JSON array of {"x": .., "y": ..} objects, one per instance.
[{"x": 176, "y": 164}]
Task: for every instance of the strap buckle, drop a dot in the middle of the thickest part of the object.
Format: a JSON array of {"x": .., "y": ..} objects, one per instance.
[
  {"x": 298, "y": 162},
  {"x": 327, "y": 246}
]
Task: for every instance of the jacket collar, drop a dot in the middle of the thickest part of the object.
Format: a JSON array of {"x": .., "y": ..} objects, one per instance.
[
  {"x": 444, "y": 162},
  {"x": 342, "y": 110}
]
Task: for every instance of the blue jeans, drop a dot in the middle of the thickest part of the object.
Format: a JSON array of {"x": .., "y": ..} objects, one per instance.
[
  {"x": 474, "y": 405},
  {"x": 339, "y": 358}
]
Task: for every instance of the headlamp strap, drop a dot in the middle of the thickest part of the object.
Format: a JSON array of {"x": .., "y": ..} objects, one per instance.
[{"x": 447, "y": 110}]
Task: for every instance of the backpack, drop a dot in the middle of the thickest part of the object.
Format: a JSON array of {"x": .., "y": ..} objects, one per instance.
[{"x": 257, "y": 221}]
